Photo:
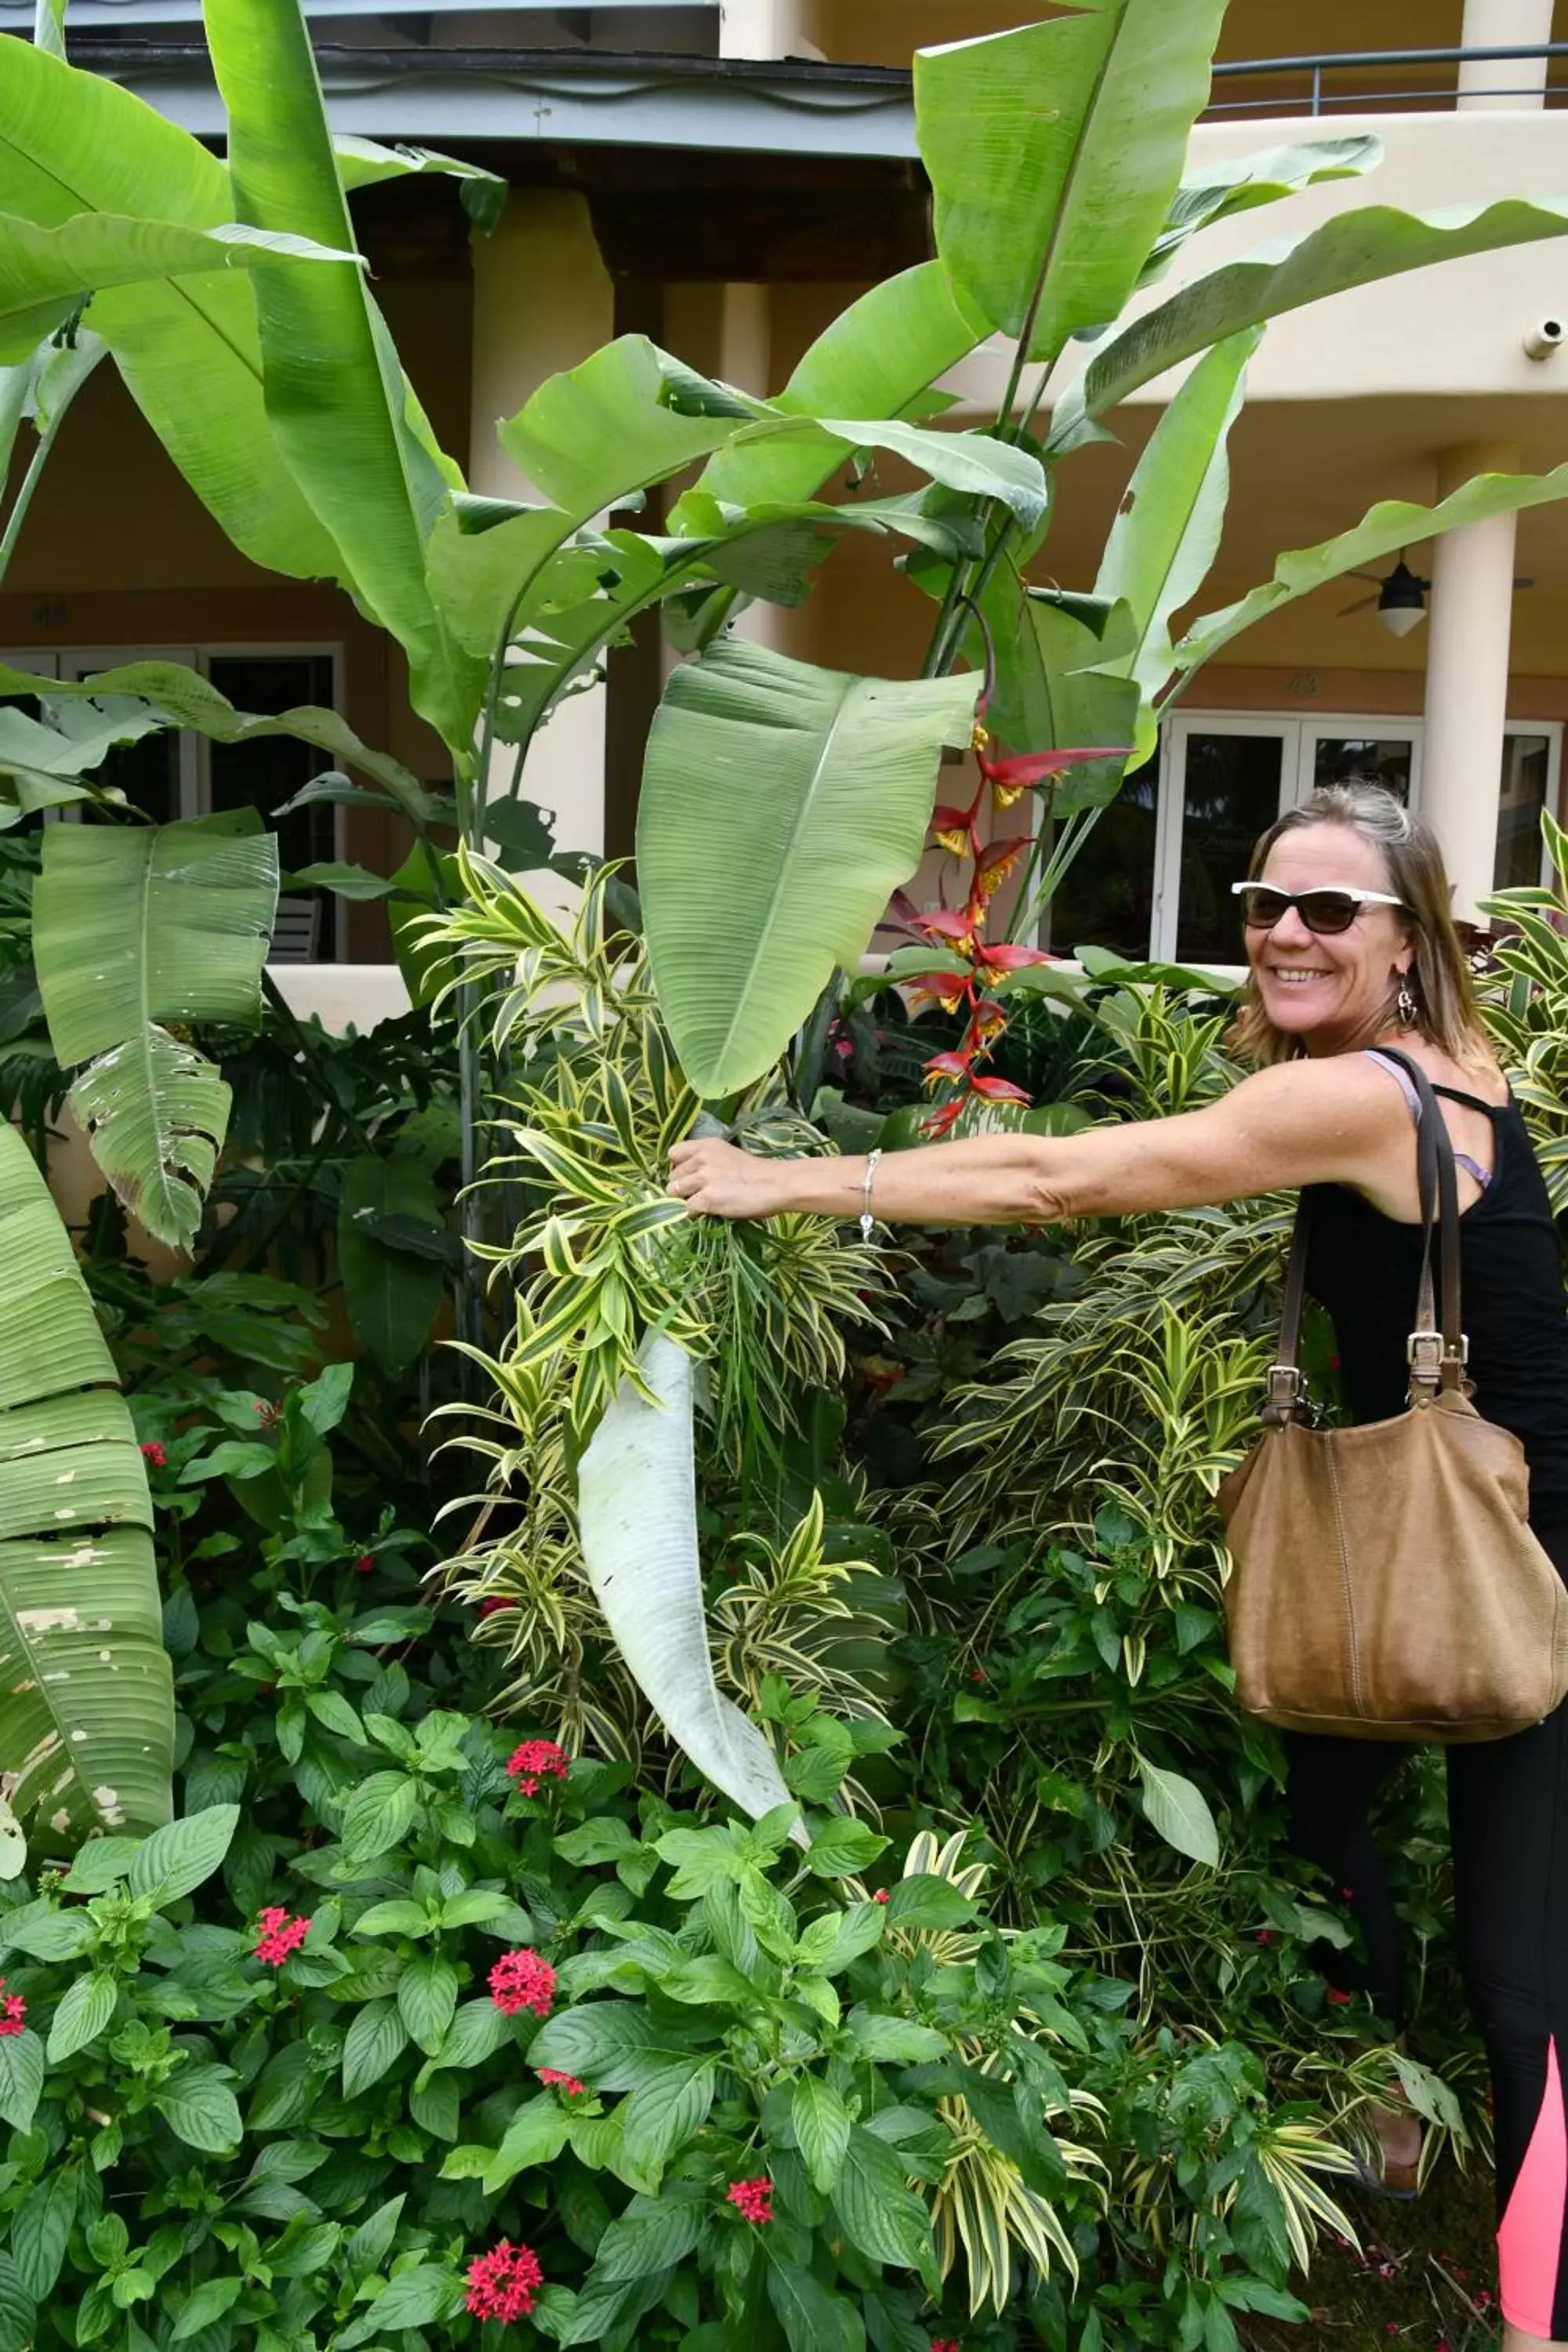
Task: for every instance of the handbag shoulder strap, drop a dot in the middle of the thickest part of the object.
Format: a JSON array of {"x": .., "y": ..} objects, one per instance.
[{"x": 1437, "y": 1355}]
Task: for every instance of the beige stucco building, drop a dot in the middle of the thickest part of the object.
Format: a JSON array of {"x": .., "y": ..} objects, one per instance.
[{"x": 725, "y": 175}]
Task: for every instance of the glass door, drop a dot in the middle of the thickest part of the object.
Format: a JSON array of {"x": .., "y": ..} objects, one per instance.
[
  {"x": 1228, "y": 780},
  {"x": 1333, "y": 751}
]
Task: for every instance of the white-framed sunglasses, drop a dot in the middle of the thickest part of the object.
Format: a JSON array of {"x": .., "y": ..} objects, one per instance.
[{"x": 1324, "y": 912}]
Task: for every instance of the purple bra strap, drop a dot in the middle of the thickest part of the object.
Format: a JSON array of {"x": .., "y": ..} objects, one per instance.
[{"x": 1482, "y": 1175}]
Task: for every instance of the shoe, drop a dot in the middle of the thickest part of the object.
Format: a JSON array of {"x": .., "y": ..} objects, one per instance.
[{"x": 1398, "y": 2183}]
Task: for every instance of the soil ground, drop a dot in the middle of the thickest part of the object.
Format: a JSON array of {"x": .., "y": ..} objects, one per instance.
[{"x": 1425, "y": 2276}]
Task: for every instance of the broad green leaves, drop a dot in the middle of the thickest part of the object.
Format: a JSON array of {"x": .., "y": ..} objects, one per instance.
[
  {"x": 1055, "y": 151},
  {"x": 134, "y": 928},
  {"x": 1354, "y": 248},
  {"x": 393, "y": 1247},
  {"x": 45, "y": 273},
  {"x": 771, "y": 766},
  {"x": 637, "y": 1507},
  {"x": 1180, "y": 1813},
  {"x": 87, "y": 1718},
  {"x": 336, "y": 399}
]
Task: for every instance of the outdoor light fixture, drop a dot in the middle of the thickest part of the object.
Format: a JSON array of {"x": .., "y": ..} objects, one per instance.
[{"x": 1401, "y": 598}]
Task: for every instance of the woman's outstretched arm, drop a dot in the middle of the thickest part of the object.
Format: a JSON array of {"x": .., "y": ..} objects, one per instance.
[{"x": 1336, "y": 1120}]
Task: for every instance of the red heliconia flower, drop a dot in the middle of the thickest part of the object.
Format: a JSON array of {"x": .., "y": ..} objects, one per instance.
[
  {"x": 154, "y": 1452},
  {"x": 1009, "y": 778},
  {"x": 504, "y": 2284},
  {"x": 752, "y": 2199},
  {"x": 943, "y": 1119},
  {"x": 943, "y": 928},
  {"x": 998, "y": 1089},
  {"x": 365, "y": 1564},
  {"x": 957, "y": 830},
  {"x": 553, "y": 2078},
  {"x": 991, "y": 867},
  {"x": 953, "y": 1065},
  {"x": 535, "y": 1760},
  {"x": 1005, "y": 957},
  {"x": 521, "y": 1980},
  {"x": 13, "y": 2011},
  {"x": 278, "y": 1935}
]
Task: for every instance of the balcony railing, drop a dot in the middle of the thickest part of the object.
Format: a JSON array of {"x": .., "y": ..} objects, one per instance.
[
  {"x": 16, "y": 15},
  {"x": 1378, "y": 79}
]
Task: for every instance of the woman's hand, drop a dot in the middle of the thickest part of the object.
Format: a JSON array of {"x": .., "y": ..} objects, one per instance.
[{"x": 715, "y": 1179}]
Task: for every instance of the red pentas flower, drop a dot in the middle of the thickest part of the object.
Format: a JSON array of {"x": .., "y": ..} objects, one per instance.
[
  {"x": 521, "y": 1980},
  {"x": 504, "y": 2284},
  {"x": 13, "y": 2011},
  {"x": 752, "y": 2199},
  {"x": 278, "y": 1935},
  {"x": 945, "y": 2343},
  {"x": 535, "y": 1760},
  {"x": 1337, "y": 2000},
  {"x": 154, "y": 1454},
  {"x": 365, "y": 1564},
  {"x": 880, "y": 1895},
  {"x": 551, "y": 2077}
]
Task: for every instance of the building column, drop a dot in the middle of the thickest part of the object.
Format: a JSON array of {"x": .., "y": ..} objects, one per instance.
[
  {"x": 1501, "y": 24},
  {"x": 767, "y": 28},
  {"x": 544, "y": 301},
  {"x": 1468, "y": 631}
]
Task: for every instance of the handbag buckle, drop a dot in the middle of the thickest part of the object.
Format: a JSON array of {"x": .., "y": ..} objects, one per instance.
[{"x": 1286, "y": 1393}]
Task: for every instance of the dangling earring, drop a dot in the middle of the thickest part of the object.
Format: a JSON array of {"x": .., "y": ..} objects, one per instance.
[{"x": 1404, "y": 1004}]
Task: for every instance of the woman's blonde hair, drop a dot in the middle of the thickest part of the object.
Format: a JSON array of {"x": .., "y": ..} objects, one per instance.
[{"x": 1439, "y": 979}]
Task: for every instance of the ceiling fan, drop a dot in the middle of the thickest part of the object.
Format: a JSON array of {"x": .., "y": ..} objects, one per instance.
[{"x": 1401, "y": 598}]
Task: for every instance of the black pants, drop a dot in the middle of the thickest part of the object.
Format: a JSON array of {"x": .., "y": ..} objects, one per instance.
[{"x": 1508, "y": 1814}]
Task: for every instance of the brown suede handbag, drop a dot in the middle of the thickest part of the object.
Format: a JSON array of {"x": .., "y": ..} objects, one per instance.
[{"x": 1386, "y": 1583}]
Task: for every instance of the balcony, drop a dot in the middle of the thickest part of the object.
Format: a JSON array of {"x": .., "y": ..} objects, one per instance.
[{"x": 1386, "y": 81}]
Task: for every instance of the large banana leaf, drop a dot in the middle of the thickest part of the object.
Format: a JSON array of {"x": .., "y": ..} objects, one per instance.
[
  {"x": 637, "y": 1502},
  {"x": 1168, "y": 525},
  {"x": 73, "y": 142},
  {"x": 1384, "y": 530},
  {"x": 132, "y": 927},
  {"x": 1055, "y": 151},
  {"x": 41, "y": 387},
  {"x": 47, "y": 273},
  {"x": 781, "y": 805},
  {"x": 86, "y": 1702},
  {"x": 1355, "y": 249},
  {"x": 1217, "y": 191},
  {"x": 878, "y": 358},
  {"x": 337, "y": 401},
  {"x": 1058, "y": 683},
  {"x": 177, "y": 697}
]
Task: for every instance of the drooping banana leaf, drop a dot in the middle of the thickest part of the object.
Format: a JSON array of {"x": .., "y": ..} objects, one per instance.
[
  {"x": 808, "y": 792},
  {"x": 1359, "y": 247},
  {"x": 365, "y": 164},
  {"x": 46, "y": 274},
  {"x": 45, "y": 767},
  {"x": 134, "y": 927},
  {"x": 86, "y": 1699},
  {"x": 1055, "y": 151},
  {"x": 1391, "y": 525},
  {"x": 40, "y": 387},
  {"x": 74, "y": 143},
  {"x": 339, "y": 407},
  {"x": 178, "y": 697},
  {"x": 637, "y": 1500}
]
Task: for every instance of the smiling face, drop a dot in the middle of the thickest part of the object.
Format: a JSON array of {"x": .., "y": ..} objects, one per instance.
[{"x": 1332, "y": 992}]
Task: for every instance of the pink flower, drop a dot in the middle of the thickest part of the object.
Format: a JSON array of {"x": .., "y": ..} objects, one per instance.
[
  {"x": 1337, "y": 2000},
  {"x": 535, "y": 1760},
  {"x": 551, "y": 2076},
  {"x": 279, "y": 1935},
  {"x": 1264, "y": 1935},
  {"x": 752, "y": 2199},
  {"x": 13, "y": 2011},
  {"x": 521, "y": 1980},
  {"x": 365, "y": 1564},
  {"x": 490, "y": 1608},
  {"x": 880, "y": 1895},
  {"x": 154, "y": 1454},
  {"x": 503, "y": 2283}
]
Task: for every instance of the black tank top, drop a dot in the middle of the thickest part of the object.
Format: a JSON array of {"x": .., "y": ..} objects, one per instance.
[{"x": 1364, "y": 1268}]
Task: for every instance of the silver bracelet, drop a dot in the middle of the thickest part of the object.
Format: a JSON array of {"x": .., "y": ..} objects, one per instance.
[{"x": 867, "y": 1219}]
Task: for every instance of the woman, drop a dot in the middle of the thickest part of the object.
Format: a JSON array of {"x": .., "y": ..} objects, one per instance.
[{"x": 1351, "y": 946}]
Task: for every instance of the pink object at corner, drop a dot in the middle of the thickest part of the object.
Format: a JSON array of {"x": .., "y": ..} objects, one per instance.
[{"x": 1530, "y": 2239}]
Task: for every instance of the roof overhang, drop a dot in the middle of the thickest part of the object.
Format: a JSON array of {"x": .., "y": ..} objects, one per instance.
[{"x": 474, "y": 95}]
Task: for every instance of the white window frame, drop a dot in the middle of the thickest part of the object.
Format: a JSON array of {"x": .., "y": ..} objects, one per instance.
[
  {"x": 1299, "y": 738},
  {"x": 196, "y": 750}
]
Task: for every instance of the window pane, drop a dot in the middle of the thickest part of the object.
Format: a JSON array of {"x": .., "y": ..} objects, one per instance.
[
  {"x": 1526, "y": 759},
  {"x": 266, "y": 773},
  {"x": 147, "y": 771},
  {"x": 1384, "y": 759},
  {"x": 1105, "y": 898},
  {"x": 1231, "y": 796}
]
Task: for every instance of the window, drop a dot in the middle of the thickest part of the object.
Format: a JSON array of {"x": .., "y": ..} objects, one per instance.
[
  {"x": 1154, "y": 877},
  {"x": 179, "y": 773}
]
